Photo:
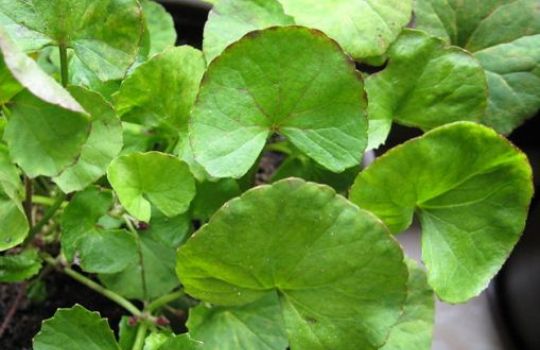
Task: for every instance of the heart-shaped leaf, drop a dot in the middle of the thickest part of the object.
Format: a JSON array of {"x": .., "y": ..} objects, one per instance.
[
  {"x": 504, "y": 35},
  {"x": 102, "y": 146},
  {"x": 470, "y": 189},
  {"x": 339, "y": 276},
  {"x": 253, "y": 326},
  {"x": 426, "y": 84},
  {"x": 414, "y": 330},
  {"x": 103, "y": 34},
  {"x": 145, "y": 179},
  {"x": 364, "y": 28},
  {"x": 99, "y": 250},
  {"x": 290, "y": 80},
  {"x": 230, "y": 20},
  {"x": 75, "y": 328},
  {"x": 161, "y": 92}
]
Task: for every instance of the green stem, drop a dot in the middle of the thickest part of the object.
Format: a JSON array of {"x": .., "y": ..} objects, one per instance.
[
  {"x": 164, "y": 300},
  {"x": 28, "y": 200},
  {"x": 130, "y": 226},
  {"x": 126, "y": 304},
  {"x": 64, "y": 64},
  {"x": 45, "y": 201},
  {"x": 48, "y": 215},
  {"x": 141, "y": 335}
]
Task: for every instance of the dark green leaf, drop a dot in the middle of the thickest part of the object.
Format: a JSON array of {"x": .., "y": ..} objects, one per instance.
[
  {"x": 75, "y": 328},
  {"x": 290, "y": 80},
  {"x": 142, "y": 179},
  {"x": 253, "y": 326},
  {"x": 470, "y": 189},
  {"x": 329, "y": 262},
  {"x": 99, "y": 250},
  {"x": 20, "y": 267},
  {"x": 211, "y": 196},
  {"x": 504, "y": 35},
  {"x": 426, "y": 84}
]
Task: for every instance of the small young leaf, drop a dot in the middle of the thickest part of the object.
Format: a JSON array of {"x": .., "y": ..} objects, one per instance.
[
  {"x": 75, "y": 328},
  {"x": 290, "y": 80},
  {"x": 414, "y": 330},
  {"x": 161, "y": 92},
  {"x": 230, "y": 20},
  {"x": 104, "y": 34},
  {"x": 20, "y": 267},
  {"x": 339, "y": 276},
  {"x": 100, "y": 250},
  {"x": 505, "y": 37},
  {"x": 142, "y": 179},
  {"x": 425, "y": 85},
  {"x": 364, "y": 28},
  {"x": 253, "y": 326},
  {"x": 102, "y": 146},
  {"x": 126, "y": 333},
  {"x": 470, "y": 189}
]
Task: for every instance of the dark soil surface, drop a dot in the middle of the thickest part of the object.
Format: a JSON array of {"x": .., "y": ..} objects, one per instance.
[{"x": 62, "y": 292}]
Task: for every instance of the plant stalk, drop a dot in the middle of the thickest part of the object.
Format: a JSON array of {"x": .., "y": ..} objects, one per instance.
[
  {"x": 109, "y": 294},
  {"x": 140, "y": 337},
  {"x": 64, "y": 64},
  {"x": 164, "y": 300},
  {"x": 130, "y": 226},
  {"x": 47, "y": 216},
  {"x": 28, "y": 200}
]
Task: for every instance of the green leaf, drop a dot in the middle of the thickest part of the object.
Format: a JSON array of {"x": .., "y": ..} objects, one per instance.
[
  {"x": 9, "y": 87},
  {"x": 470, "y": 189},
  {"x": 103, "y": 34},
  {"x": 230, "y": 20},
  {"x": 211, "y": 196},
  {"x": 126, "y": 333},
  {"x": 102, "y": 146},
  {"x": 329, "y": 262},
  {"x": 154, "y": 340},
  {"x": 99, "y": 250},
  {"x": 414, "y": 329},
  {"x": 41, "y": 116},
  {"x": 20, "y": 267},
  {"x": 253, "y": 326},
  {"x": 364, "y": 28},
  {"x": 159, "y": 262},
  {"x": 181, "y": 342},
  {"x": 159, "y": 26},
  {"x": 171, "y": 232},
  {"x": 13, "y": 222},
  {"x": 290, "y": 80},
  {"x": 161, "y": 92},
  {"x": 504, "y": 36},
  {"x": 75, "y": 328},
  {"x": 142, "y": 179},
  {"x": 426, "y": 84}
]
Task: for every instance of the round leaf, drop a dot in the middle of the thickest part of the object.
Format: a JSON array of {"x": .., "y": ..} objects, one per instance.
[
  {"x": 364, "y": 28},
  {"x": 161, "y": 92},
  {"x": 254, "y": 326},
  {"x": 159, "y": 25},
  {"x": 230, "y": 20},
  {"x": 145, "y": 179},
  {"x": 338, "y": 274},
  {"x": 504, "y": 35},
  {"x": 470, "y": 189},
  {"x": 426, "y": 84},
  {"x": 75, "y": 328},
  {"x": 290, "y": 80},
  {"x": 102, "y": 146},
  {"x": 104, "y": 34}
]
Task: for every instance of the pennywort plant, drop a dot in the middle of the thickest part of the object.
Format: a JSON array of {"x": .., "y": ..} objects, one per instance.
[{"x": 128, "y": 164}]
